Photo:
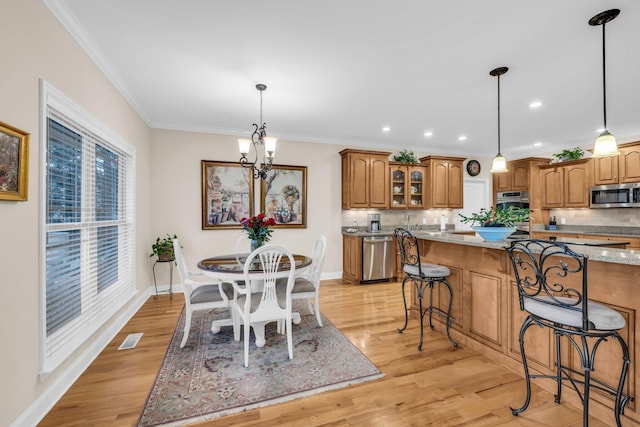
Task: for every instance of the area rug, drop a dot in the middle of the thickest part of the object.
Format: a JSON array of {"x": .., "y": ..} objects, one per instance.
[{"x": 207, "y": 379}]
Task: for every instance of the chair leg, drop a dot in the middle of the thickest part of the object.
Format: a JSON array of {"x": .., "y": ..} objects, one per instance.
[
  {"x": 289, "y": 336},
  {"x": 619, "y": 409},
  {"x": 558, "y": 395},
  {"x": 316, "y": 302},
  {"x": 420, "y": 295},
  {"x": 235, "y": 318},
  {"x": 247, "y": 328},
  {"x": 406, "y": 311},
  {"x": 309, "y": 305},
  {"x": 187, "y": 328},
  {"x": 449, "y": 318},
  {"x": 430, "y": 309},
  {"x": 528, "y": 322}
]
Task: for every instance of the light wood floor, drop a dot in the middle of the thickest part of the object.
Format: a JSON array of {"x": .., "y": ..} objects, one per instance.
[{"x": 439, "y": 386}]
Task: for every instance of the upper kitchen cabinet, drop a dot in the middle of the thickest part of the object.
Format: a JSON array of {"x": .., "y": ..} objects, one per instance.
[
  {"x": 365, "y": 179},
  {"x": 618, "y": 169},
  {"x": 444, "y": 182},
  {"x": 519, "y": 176},
  {"x": 408, "y": 184},
  {"x": 566, "y": 184}
]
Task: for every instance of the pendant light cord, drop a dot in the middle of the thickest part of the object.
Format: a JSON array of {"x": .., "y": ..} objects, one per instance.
[
  {"x": 499, "y": 114},
  {"x": 604, "y": 79}
]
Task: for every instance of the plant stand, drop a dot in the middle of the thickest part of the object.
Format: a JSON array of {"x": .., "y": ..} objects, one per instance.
[{"x": 155, "y": 284}]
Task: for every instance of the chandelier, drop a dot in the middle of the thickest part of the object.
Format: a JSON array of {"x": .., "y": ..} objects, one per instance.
[
  {"x": 499, "y": 164},
  {"x": 258, "y": 137},
  {"x": 606, "y": 143}
]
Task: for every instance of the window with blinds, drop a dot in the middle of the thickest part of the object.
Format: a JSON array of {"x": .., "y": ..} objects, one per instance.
[{"x": 87, "y": 226}]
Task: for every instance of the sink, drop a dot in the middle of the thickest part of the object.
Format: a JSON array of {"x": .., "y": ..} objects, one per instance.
[{"x": 351, "y": 230}]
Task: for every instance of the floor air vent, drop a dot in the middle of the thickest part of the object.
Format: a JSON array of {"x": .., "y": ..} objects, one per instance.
[{"x": 131, "y": 341}]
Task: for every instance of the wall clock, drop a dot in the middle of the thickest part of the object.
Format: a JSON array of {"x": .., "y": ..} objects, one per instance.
[{"x": 473, "y": 167}]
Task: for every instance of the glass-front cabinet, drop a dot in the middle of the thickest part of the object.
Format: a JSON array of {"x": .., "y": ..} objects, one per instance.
[{"x": 407, "y": 186}]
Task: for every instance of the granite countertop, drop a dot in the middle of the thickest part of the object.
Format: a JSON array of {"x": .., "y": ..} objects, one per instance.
[
  {"x": 585, "y": 242},
  {"x": 590, "y": 229},
  {"x": 619, "y": 256}
]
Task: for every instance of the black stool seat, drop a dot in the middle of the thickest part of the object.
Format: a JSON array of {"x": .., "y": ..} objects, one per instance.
[
  {"x": 552, "y": 288},
  {"x": 423, "y": 276}
]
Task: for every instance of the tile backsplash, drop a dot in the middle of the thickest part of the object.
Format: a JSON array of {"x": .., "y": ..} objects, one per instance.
[
  {"x": 629, "y": 217},
  {"x": 391, "y": 219}
]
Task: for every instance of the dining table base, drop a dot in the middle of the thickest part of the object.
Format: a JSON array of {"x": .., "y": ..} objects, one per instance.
[{"x": 258, "y": 327}]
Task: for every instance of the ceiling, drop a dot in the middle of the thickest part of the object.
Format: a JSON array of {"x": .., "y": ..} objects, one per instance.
[{"x": 339, "y": 71}]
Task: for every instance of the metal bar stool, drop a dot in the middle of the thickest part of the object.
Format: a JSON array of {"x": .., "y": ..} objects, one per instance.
[
  {"x": 423, "y": 276},
  {"x": 547, "y": 275}
]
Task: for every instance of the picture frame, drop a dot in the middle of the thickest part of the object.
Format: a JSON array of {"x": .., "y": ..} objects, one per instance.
[
  {"x": 227, "y": 194},
  {"x": 283, "y": 196},
  {"x": 14, "y": 163}
]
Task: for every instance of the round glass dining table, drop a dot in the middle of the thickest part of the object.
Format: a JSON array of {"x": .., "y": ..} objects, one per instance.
[{"x": 231, "y": 268}]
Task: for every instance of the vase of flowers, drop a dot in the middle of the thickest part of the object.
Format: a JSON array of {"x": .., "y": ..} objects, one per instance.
[{"x": 257, "y": 228}]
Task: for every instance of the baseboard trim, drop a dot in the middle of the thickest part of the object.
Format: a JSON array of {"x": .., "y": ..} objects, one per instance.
[{"x": 50, "y": 396}]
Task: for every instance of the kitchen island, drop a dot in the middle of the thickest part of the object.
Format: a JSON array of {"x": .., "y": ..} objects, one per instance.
[{"x": 488, "y": 315}]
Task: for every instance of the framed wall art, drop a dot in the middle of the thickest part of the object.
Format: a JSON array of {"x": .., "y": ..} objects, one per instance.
[
  {"x": 227, "y": 194},
  {"x": 283, "y": 196},
  {"x": 14, "y": 163}
]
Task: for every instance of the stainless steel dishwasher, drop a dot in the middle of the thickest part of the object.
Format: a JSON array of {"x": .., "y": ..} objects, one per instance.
[{"x": 377, "y": 258}]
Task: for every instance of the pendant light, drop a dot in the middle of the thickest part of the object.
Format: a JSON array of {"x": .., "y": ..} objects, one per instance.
[
  {"x": 499, "y": 164},
  {"x": 259, "y": 137},
  {"x": 606, "y": 143}
]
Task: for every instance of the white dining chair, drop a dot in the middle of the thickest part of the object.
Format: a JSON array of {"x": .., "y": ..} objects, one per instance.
[
  {"x": 200, "y": 295},
  {"x": 307, "y": 282},
  {"x": 259, "y": 301}
]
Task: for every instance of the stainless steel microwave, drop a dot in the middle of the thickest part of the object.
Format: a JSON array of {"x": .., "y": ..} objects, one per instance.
[{"x": 615, "y": 196}]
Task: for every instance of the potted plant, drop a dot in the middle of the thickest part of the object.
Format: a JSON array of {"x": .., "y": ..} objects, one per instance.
[
  {"x": 496, "y": 224},
  {"x": 405, "y": 156},
  {"x": 566, "y": 155},
  {"x": 163, "y": 248}
]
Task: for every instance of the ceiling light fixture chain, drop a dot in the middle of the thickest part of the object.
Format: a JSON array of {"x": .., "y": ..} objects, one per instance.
[
  {"x": 606, "y": 143},
  {"x": 258, "y": 137},
  {"x": 499, "y": 164}
]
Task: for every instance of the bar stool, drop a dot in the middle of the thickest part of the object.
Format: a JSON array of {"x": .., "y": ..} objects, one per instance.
[
  {"x": 552, "y": 289},
  {"x": 423, "y": 276}
]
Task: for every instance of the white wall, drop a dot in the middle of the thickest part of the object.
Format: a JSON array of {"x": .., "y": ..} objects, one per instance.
[
  {"x": 35, "y": 46},
  {"x": 176, "y": 195}
]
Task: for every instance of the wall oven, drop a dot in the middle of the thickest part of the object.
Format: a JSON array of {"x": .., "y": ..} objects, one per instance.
[
  {"x": 518, "y": 199},
  {"x": 615, "y": 196}
]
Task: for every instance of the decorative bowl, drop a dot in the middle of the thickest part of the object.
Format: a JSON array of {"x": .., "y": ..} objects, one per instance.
[{"x": 494, "y": 234}]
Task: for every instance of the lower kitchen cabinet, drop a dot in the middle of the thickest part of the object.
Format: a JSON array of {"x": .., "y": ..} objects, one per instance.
[{"x": 351, "y": 259}]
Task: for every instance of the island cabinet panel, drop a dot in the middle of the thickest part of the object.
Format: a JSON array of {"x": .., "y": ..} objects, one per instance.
[
  {"x": 539, "y": 342},
  {"x": 488, "y": 318},
  {"x": 486, "y": 308}
]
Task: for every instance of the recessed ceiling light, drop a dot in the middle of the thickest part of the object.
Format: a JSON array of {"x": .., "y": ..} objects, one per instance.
[
  {"x": 535, "y": 104},
  {"x": 462, "y": 138},
  {"x": 537, "y": 144},
  {"x": 386, "y": 129},
  {"x": 428, "y": 133}
]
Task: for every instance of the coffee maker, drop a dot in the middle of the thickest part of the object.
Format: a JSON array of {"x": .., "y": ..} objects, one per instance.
[{"x": 373, "y": 223}]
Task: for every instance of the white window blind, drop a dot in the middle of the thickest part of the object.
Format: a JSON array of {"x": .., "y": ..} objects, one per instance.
[{"x": 87, "y": 226}]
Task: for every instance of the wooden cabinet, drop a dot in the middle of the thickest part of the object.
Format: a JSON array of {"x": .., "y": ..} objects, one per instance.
[
  {"x": 618, "y": 169},
  {"x": 444, "y": 182},
  {"x": 517, "y": 178},
  {"x": 351, "y": 259},
  {"x": 365, "y": 179},
  {"x": 565, "y": 185},
  {"x": 407, "y": 186},
  {"x": 523, "y": 175}
]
